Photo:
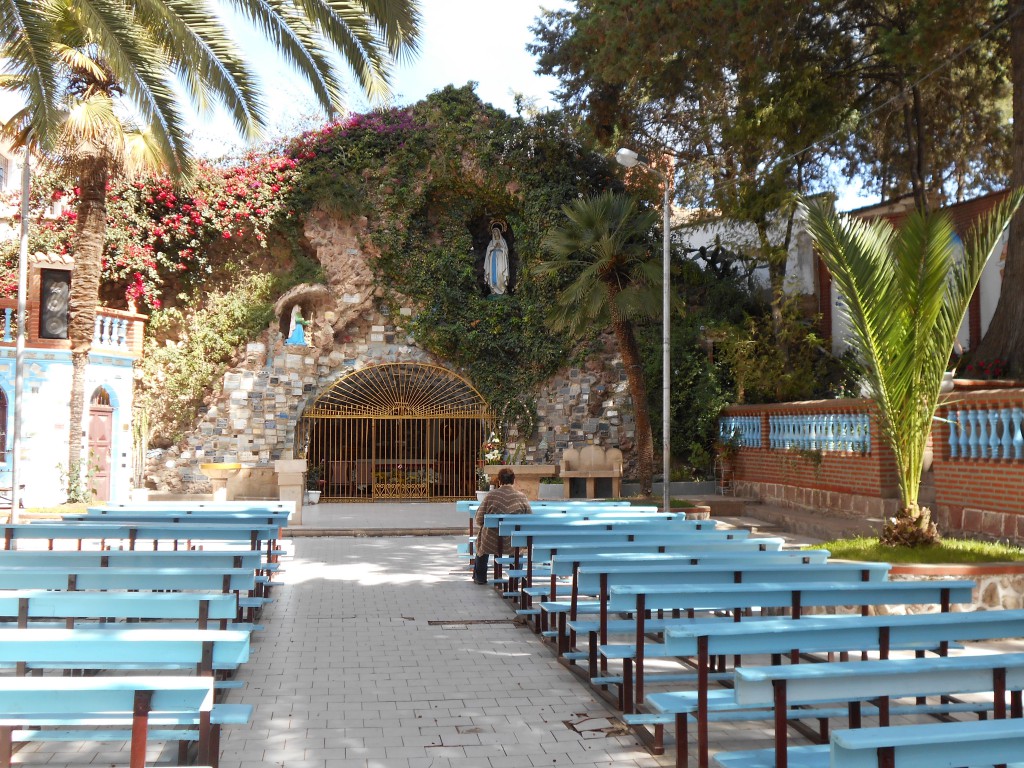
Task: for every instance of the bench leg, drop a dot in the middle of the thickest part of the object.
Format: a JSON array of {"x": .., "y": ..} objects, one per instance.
[
  {"x": 6, "y": 747},
  {"x": 140, "y": 728},
  {"x": 627, "y": 686},
  {"x": 682, "y": 742}
]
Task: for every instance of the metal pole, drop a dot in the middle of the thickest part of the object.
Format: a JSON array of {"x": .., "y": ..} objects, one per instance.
[
  {"x": 666, "y": 330},
  {"x": 19, "y": 359}
]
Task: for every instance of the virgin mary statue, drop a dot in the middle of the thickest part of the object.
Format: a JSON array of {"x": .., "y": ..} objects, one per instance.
[{"x": 496, "y": 262}]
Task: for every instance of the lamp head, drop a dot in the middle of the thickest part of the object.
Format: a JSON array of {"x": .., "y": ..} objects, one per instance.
[{"x": 627, "y": 157}]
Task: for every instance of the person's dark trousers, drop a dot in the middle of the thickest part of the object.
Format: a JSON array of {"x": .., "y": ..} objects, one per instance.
[{"x": 480, "y": 569}]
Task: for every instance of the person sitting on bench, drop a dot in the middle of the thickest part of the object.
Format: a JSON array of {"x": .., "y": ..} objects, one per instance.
[{"x": 506, "y": 499}]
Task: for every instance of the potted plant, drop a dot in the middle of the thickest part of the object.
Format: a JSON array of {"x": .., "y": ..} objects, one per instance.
[
  {"x": 483, "y": 484},
  {"x": 313, "y": 475}
]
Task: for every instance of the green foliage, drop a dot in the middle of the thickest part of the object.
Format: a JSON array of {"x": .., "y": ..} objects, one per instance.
[
  {"x": 201, "y": 338},
  {"x": 430, "y": 178},
  {"x": 76, "y": 482},
  {"x": 762, "y": 374},
  {"x": 868, "y": 549},
  {"x": 906, "y": 295}
]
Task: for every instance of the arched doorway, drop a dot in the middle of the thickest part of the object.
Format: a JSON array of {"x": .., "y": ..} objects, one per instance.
[
  {"x": 101, "y": 433},
  {"x": 396, "y": 431}
]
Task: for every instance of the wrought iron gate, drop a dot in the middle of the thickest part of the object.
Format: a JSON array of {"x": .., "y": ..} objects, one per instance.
[{"x": 396, "y": 431}]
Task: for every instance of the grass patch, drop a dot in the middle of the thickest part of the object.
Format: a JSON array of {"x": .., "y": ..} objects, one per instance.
[{"x": 946, "y": 551}]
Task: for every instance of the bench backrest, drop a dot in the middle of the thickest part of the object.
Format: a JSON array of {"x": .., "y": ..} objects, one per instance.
[
  {"x": 651, "y": 534},
  {"x": 627, "y": 597},
  {"x": 118, "y": 648},
  {"x": 191, "y": 505},
  {"x": 279, "y": 519},
  {"x": 824, "y": 634},
  {"x": 132, "y": 532},
  {"x": 592, "y": 458},
  {"x": 590, "y": 578},
  {"x": 45, "y": 604},
  {"x": 508, "y": 524},
  {"x": 86, "y": 578},
  {"x": 563, "y": 564},
  {"x": 690, "y": 546},
  {"x": 208, "y": 558}
]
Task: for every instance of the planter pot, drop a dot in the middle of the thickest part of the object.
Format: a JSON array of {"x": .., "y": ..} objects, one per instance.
[
  {"x": 312, "y": 497},
  {"x": 481, "y": 495},
  {"x": 139, "y": 495}
]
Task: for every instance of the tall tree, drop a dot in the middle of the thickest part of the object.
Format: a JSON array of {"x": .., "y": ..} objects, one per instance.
[
  {"x": 604, "y": 249},
  {"x": 741, "y": 92},
  {"x": 929, "y": 82},
  {"x": 1004, "y": 339},
  {"x": 106, "y": 60}
]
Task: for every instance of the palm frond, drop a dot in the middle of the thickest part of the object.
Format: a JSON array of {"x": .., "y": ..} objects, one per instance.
[{"x": 906, "y": 297}]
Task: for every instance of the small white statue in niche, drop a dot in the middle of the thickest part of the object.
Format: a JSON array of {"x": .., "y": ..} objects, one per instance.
[
  {"x": 297, "y": 328},
  {"x": 496, "y": 260}
]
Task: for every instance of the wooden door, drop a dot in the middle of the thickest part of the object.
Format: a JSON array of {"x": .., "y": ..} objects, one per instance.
[{"x": 101, "y": 429}]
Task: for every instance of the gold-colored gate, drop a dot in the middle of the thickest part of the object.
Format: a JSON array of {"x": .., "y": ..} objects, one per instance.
[{"x": 396, "y": 431}]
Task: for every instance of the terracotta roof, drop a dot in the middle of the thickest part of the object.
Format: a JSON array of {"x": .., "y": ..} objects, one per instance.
[
  {"x": 963, "y": 214},
  {"x": 63, "y": 260}
]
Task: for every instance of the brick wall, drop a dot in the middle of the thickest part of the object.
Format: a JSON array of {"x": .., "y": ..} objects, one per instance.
[{"x": 978, "y": 497}]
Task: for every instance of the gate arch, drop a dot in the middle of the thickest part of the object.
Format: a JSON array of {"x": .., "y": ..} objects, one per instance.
[{"x": 396, "y": 431}]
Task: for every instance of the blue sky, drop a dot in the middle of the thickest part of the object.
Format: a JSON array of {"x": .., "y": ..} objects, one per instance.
[{"x": 462, "y": 40}]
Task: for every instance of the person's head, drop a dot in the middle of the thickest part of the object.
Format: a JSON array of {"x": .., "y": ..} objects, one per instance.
[{"x": 506, "y": 476}]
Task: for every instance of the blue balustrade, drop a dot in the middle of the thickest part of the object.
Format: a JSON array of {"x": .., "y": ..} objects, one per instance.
[
  {"x": 986, "y": 433},
  {"x": 820, "y": 432},
  {"x": 744, "y": 430}
]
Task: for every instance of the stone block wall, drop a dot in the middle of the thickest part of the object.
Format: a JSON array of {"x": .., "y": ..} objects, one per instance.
[{"x": 253, "y": 419}]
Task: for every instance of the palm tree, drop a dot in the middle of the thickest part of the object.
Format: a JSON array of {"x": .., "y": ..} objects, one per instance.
[
  {"x": 906, "y": 294},
  {"x": 105, "y": 60},
  {"x": 605, "y": 248}
]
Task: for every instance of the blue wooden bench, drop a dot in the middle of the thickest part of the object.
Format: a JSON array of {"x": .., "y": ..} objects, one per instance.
[
  {"x": 638, "y": 599},
  {"x": 598, "y": 579},
  {"x": 114, "y": 708},
  {"x": 648, "y": 533},
  {"x": 194, "y": 505},
  {"x": 809, "y": 685},
  {"x": 928, "y": 745},
  {"x": 469, "y": 507},
  {"x": 703, "y": 641},
  {"x": 187, "y": 534},
  {"x": 280, "y": 519},
  {"x": 562, "y": 568},
  {"x": 116, "y": 648},
  {"x": 26, "y": 607}
]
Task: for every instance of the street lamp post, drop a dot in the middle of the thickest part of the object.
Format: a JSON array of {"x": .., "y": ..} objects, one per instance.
[{"x": 629, "y": 159}]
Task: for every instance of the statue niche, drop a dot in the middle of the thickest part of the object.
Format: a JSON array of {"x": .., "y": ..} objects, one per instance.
[{"x": 494, "y": 241}]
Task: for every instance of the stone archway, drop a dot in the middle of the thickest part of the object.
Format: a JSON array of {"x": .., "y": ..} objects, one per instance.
[{"x": 396, "y": 431}]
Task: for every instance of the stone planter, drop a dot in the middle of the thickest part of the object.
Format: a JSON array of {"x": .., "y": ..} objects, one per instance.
[
  {"x": 999, "y": 585},
  {"x": 313, "y": 497},
  {"x": 481, "y": 495},
  {"x": 550, "y": 491},
  {"x": 527, "y": 475}
]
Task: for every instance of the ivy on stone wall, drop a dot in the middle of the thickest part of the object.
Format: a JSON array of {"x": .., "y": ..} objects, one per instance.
[{"x": 431, "y": 178}]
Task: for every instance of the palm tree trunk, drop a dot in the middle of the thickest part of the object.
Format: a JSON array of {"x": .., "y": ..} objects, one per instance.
[
  {"x": 94, "y": 171},
  {"x": 641, "y": 412}
]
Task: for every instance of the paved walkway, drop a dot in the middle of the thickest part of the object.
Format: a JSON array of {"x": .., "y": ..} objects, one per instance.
[
  {"x": 378, "y": 655},
  {"x": 379, "y": 652}
]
